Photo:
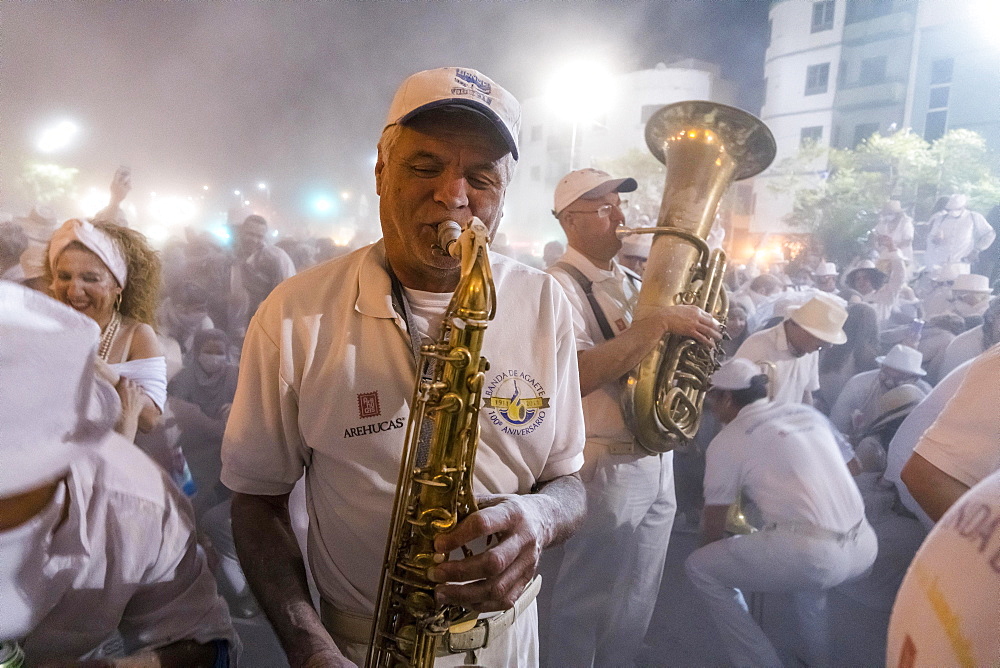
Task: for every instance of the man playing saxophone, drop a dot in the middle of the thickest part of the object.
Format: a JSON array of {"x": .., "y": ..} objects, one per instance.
[
  {"x": 606, "y": 584},
  {"x": 328, "y": 371}
]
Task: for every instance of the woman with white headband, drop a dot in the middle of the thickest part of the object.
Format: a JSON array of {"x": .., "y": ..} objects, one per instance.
[{"x": 110, "y": 274}]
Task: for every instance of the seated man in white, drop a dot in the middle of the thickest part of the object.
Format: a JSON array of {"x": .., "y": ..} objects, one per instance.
[
  {"x": 784, "y": 459},
  {"x": 94, "y": 538},
  {"x": 859, "y": 398}
]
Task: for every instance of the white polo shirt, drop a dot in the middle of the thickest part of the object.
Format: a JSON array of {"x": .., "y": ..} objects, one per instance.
[
  {"x": 792, "y": 376},
  {"x": 616, "y": 294},
  {"x": 326, "y": 380},
  {"x": 785, "y": 459}
]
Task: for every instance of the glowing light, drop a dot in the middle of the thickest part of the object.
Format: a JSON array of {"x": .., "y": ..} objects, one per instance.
[
  {"x": 236, "y": 192},
  {"x": 262, "y": 186},
  {"x": 582, "y": 89},
  {"x": 346, "y": 195},
  {"x": 342, "y": 236},
  {"x": 221, "y": 232},
  {"x": 172, "y": 211},
  {"x": 322, "y": 205},
  {"x": 93, "y": 201},
  {"x": 246, "y": 202},
  {"x": 57, "y": 137},
  {"x": 204, "y": 187},
  {"x": 157, "y": 233}
]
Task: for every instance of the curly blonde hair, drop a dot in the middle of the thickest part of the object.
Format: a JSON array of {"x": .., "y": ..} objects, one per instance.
[{"x": 141, "y": 292}]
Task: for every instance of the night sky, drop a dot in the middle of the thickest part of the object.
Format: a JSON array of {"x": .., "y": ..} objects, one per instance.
[{"x": 294, "y": 93}]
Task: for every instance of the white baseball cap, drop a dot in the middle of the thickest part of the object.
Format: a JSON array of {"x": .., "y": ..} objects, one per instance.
[
  {"x": 588, "y": 183},
  {"x": 51, "y": 401},
  {"x": 735, "y": 374},
  {"x": 457, "y": 86}
]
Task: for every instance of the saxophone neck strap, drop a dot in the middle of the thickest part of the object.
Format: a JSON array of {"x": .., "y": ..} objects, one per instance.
[
  {"x": 588, "y": 289},
  {"x": 401, "y": 307}
]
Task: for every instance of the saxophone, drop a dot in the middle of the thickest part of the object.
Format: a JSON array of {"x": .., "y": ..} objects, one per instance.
[
  {"x": 433, "y": 495},
  {"x": 704, "y": 146}
]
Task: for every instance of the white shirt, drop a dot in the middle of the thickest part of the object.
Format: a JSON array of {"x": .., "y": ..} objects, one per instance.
[
  {"x": 950, "y": 240},
  {"x": 125, "y": 558},
  {"x": 616, "y": 294},
  {"x": 963, "y": 442},
  {"x": 948, "y": 605},
  {"x": 791, "y": 376},
  {"x": 964, "y": 347},
  {"x": 899, "y": 228},
  {"x": 910, "y": 431},
  {"x": 326, "y": 379},
  {"x": 785, "y": 459}
]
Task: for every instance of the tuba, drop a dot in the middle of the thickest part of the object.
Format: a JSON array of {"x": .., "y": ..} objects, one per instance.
[
  {"x": 704, "y": 147},
  {"x": 434, "y": 491}
]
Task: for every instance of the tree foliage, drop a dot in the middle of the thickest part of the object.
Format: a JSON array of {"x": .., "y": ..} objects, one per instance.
[{"x": 839, "y": 192}]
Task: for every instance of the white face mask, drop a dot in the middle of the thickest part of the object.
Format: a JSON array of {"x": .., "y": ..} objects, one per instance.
[{"x": 211, "y": 363}]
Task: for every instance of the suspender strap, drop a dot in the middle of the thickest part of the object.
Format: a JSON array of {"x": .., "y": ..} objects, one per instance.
[{"x": 588, "y": 289}]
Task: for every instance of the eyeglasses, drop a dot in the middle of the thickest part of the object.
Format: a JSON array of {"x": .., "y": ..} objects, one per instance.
[{"x": 604, "y": 211}]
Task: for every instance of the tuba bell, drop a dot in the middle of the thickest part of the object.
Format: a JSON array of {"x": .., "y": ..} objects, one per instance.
[{"x": 704, "y": 147}]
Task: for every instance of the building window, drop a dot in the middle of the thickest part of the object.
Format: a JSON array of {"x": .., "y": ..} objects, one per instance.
[
  {"x": 935, "y": 124},
  {"x": 862, "y": 10},
  {"x": 823, "y": 15},
  {"x": 863, "y": 131},
  {"x": 939, "y": 97},
  {"x": 817, "y": 78},
  {"x": 648, "y": 110},
  {"x": 872, "y": 71},
  {"x": 811, "y": 134},
  {"x": 536, "y": 133},
  {"x": 941, "y": 71}
]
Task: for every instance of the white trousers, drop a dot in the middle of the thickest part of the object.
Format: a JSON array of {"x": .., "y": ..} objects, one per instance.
[
  {"x": 776, "y": 561},
  {"x": 606, "y": 586}
]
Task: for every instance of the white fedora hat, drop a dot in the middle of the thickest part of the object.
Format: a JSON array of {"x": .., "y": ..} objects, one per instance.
[
  {"x": 971, "y": 283},
  {"x": 826, "y": 269},
  {"x": 903, "y": 358},
  {"x": 823, "y": 317},
  {"x": 895, "y": 403},
  {"x": 51, "y": 401}
]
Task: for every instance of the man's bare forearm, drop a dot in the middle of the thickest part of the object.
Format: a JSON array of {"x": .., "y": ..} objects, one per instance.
[
  {"x": 932, "y": 488},
  {"x": 276, "y": 573},
  {"x": 566, "y": 502}
]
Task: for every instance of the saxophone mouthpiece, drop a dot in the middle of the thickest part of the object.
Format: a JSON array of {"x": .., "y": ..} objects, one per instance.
[{"x": 448, "y": 233}]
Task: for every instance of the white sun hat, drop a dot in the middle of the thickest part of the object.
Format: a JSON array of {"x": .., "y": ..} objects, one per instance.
[
  {"x": 588, "y": 183},
  {"x": 823, "y": 317},
  {"x": 903, "y": 358},
  {"x": 826, "y": 269},
  {"x": 51, "y": 401},
  {"x": 971, "y": 283},
  {"x": 458, "y": 86}
]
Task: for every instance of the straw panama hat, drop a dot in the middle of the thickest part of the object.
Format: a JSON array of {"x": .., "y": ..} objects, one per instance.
[{"x": 822, "y": 317}]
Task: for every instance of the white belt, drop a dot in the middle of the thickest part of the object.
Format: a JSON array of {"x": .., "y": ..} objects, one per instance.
[
  {"x": 355, "y": 628},
  {"x": 814, "y": 531}
]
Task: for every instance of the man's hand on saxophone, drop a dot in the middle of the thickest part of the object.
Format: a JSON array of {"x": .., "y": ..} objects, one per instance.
[{"x": 525, "y": 525}]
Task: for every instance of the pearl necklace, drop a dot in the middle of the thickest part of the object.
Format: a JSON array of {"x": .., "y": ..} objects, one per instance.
[{"x": 108, "y": 336}]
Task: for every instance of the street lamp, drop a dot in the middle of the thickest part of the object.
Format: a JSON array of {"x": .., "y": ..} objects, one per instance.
[
  {"x": 582, "y": 90},
  {"x": 57, "y": 137}
]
